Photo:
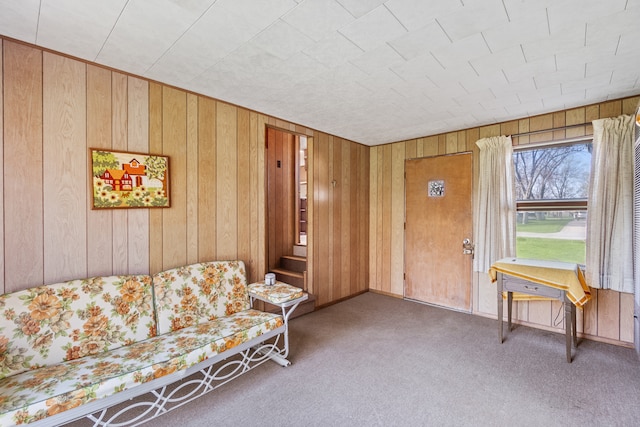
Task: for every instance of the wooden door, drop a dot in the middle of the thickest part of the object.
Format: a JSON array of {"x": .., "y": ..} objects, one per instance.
[{"x": 438, "y": 220}]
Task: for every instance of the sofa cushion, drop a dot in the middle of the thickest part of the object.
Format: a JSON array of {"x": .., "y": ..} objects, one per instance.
[
  {"x": 43, "y": 392},
  {"x": 65, "y": 321},
  {"x": 187, "y": 296}
]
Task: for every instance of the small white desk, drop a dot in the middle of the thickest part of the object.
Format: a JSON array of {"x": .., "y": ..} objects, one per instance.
[{"x": 542, "y": 280}]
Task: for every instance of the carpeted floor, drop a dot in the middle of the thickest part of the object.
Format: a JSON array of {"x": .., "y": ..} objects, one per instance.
[{"x": 374, "y": 360}]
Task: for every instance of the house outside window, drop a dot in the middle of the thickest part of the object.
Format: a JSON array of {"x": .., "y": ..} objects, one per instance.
[{"x": 552, "y": 182}]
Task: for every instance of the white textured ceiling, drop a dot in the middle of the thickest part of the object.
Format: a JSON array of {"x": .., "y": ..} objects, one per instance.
[{"x": 371, "y": 71}]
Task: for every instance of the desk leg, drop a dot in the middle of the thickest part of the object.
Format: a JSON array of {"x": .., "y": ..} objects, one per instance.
[
  {"x": 568, "y": 325},
  {"x": 500, "y": 308},
  {"x": 509, "y": 310},
  {"x": 574, "y": 323}
]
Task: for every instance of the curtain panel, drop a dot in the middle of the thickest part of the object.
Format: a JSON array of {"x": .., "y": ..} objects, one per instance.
[
  {"x": 609, "y": 260},
  {"x": 494, "y": 217}
]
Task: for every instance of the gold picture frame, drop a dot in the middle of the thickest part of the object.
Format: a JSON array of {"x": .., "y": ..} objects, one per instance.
[{"x": 124, "y": 179}]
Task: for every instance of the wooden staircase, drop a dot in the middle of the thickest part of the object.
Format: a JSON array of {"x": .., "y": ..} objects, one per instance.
[{"x": 293, "y": 270}]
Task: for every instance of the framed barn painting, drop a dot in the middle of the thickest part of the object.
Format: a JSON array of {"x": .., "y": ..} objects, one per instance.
[{"x": 121, "y": 179}]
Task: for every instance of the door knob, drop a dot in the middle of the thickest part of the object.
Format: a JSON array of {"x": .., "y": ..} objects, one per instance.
[{"x": 467, "y": 247}]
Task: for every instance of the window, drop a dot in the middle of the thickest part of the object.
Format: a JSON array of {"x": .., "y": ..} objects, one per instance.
[{"x": 551, "y": 184}]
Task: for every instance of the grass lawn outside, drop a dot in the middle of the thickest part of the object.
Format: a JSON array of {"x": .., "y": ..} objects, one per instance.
[
  {"x": 549, "y": 225},
  {"x": 551, "y": 249}
]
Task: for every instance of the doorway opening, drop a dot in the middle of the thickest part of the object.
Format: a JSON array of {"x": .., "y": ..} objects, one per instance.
[{"x": 301, "y": 189}]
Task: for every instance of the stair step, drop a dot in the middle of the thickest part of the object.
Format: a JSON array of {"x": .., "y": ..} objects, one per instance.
[
  {"x": 293, "y": 263},
  {"x": 293, "y": 278}
]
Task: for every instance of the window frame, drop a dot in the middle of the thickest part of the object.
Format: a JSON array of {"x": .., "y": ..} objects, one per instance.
[{"x": 543, "y": 205}]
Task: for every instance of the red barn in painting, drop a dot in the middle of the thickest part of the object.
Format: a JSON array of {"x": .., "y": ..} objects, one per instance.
[{"x": 119, "y": 180}]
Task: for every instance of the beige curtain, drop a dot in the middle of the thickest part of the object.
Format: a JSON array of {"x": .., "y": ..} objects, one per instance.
[
  {"x": 494, "y": 217},
  {"x": 609, "y": 261}
]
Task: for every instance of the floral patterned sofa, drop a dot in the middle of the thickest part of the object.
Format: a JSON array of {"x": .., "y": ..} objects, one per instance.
[{"x": 82, "y": 347}]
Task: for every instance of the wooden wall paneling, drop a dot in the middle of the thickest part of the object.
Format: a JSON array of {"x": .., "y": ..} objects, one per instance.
[
  {"x": 430, "y": 146},
  {"x": 349, "y": 228},
  {"x": 2, "y": 289},
  {"x": 411, "y": 149},
  {"x": 99, "y": 221},
  {"x": 138, "y": 141},
  {"x": 356, "y": 166},
  {"x": 192, "y": 179},
  {"x": 23, "y": 209},
  {"x": 387, "y": 220},
  {"x": 442, "y": 144},
  {"x": 174, "y": 144},
  {"x": 227, "y": 180},
  {"x": 608, "y": 314},
  {"x": 261, "y": 207},
  {"x": 574, "y": 117},
  {"x": 64, "y": 168},
  {"x": 397, "y": 219},
  {"x": 626, "y": 316},
  {"x": 540, "y": 312},
  {"x": 559, "y": 121},
  {"x": 523, "y": 127},
  {"x": 610, "y": 108},
  {"x": 462, "y": 142},
  {"x": 378, "y": 260},
  {"x": 592, "y": 112},
  {"x": 451, "y": 142},
  {"x": 244, "y": 190},
  {"x": 373, "y": 217},
  {"x": 331, "y": 294},
  {"x": 590, "y": 314},
  {"x": 155, "y": 146},
  {"x": 509, "y": 128},
  {"x": 207, "y": 186},
  {"x": 490, "y": 130},
  {"x": 271, "y": 158},
  {"x": 538, "y": 123},
  {"x": 629, "y": 105},
  {"x": 119, "y": 134},
  {"x": 321, "y": 220},
  {"x": 256, "y": 210},
  {"x": 337, "y": 230},
  {"x": 363, "y": 216}
]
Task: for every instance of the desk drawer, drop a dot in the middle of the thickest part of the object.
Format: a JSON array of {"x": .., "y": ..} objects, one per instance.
[{"x": 513, "y": 284}]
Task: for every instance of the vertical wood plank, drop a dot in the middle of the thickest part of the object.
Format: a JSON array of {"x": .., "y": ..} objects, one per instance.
[
  {"x": 227, "y": 182},
  {"x": 337, "y": 229},
  {"x": 138, "y": 141},
  {"x": 192, "y": 179},
  {"x": 207, "y": 170},
  {"x": 321, "y": 221},
  {"x": 363, "y": 217},
  {"x": 331, "y": 224},
  {"x": 397, "y": 219},
  {"x": 119, "y": 133},
  {"x": 608, "y": 314},
  {"x": 379, "y": 226},
  {"x": 610, "y": 109},
  {"x": 244, "y": 189},
  {"x": 155, "y": 146},
  {"x": 99, "y": 221},
  {"x": 174, "y": 144},
  {"x": 451, "y": 143},
  {"x": 387, "y": 217},
  {"x": 23, "y": 209},
  {"x": 626, "y": 317},
  {"x": 254, "y": 169},
  {"x": 64, "y": 166},
  {"x": 373, "y": 216}
]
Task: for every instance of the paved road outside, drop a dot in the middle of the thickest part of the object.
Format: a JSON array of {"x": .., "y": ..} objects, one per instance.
[{"x": 574, "y": 230}]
